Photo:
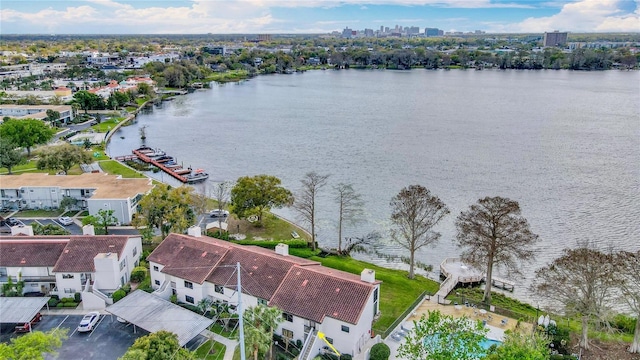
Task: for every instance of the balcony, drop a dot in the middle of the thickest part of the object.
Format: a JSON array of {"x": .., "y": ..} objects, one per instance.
[{"x": 29, "y": 279}]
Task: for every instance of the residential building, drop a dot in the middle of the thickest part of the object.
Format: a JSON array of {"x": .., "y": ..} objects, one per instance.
[
  {"x": 94, "y": 266},
  {"x": 555, "y": 38},
  {"x": 313, "y": 298},
  {"x": 36, "y": 111},
  {"x": 92, "y": 191}
]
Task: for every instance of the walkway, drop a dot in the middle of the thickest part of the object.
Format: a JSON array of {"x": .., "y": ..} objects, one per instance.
[
  {"x": 228, "y": 343},
  {"x": 456, "y": 272}
]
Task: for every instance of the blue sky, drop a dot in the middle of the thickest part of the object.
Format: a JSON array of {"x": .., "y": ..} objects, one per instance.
[{"x": 313, "y": 16}]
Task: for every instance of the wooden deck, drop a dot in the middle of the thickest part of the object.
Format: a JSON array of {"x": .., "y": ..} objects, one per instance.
[{"x": 456, "y": 272}]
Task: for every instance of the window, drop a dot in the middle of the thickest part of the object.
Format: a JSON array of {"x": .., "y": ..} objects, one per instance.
[
  {"x": 70, "y": 291},
  {"x": 188, "y": 284},
  {"x": 135, "y": 250},
  {"x": 287, "y": 334},
  {"x": 262, "y": 302},
  {"x": 53, "y": 190},
  {"x": 189, "y": 299},
  {"x": 155, "y": 268},
  {"x": 122, "y": 264},
  {"x": 219, "y": 289},
  {"x": 157, "y": 282},
  {"x": 67, "y": 276},
  {"x": 173, "y": 285},
  {"x": 287, "y": 317},
  {"x": 345, "y": 328},
  {"x": 329, "y": 340}
]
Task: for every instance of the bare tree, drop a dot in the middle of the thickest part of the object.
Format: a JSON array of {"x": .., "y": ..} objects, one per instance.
[
  {"x": 581, "y": 281},
  {"x": 628, "y": 265},
  {"x": 492, "y": 232},
  {"x": 350, "y": 204},
  {"x": 414, "y": 212},
  {"x": 360, "y": 243},
  {"x": 222, "y": 193},
  {"x": 305, "y": 201}
]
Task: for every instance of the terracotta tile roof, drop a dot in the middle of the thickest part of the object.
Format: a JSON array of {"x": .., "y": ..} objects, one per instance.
[
  {"x": 21, "y": 251},
  {"x": 78, "y": 255},
  {"x": 187, "y": 257},
  {"x": 315, "y": 292},
  {"x": 263, "y": 270}
]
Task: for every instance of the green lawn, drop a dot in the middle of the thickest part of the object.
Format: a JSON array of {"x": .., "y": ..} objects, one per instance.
[
  {"x": 397, "y": 291},
  {"x": 107, "y": 125},
  {"x": 116, "y": 168},
  {"x": 30, "y": 166},
  {"x": 229, "y": 76},
  {"x": 217, "y": 328},
  {"x": 210, "y": 350},
  {"x": 272, "y": 228},
  {"x": 40, "y": 213}
]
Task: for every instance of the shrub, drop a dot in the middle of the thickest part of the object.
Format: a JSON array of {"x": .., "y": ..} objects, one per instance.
[
  {"x": 66, "y": 300},
  {"x": 60, "y": 305},
  {"x": 174, "y": 298},
  {"x": 380, "y": 351},
  {"x": 119, "y": 294},
  {"x": 624, "y": 323},
  {"x": 127, "y": 288},
  {"x": 138, "y": 274},
  {"x": 53, "y": 302},
  {"x": 345, "y": 357},
  {"x": 77, "y": 297},
  {"x": 70, "y": 304}
]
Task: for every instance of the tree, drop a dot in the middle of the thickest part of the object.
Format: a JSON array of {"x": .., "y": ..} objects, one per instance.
[
  {"x": 87, "y": 100},
  {"x": 628, "y": 264},
  {"x": 305, "y": 202},
  {"x": 48, "y": 229},
  {"x": 63, "y": 157},
  {"x": 34, "y": 345},
  {"x": 9, "y": 156},
  {"x": 492, "y": 232},
  {"x": 380, "y": 351},
  {"x": 26, "y": 132},
  {"x": 518, "y": 345},
  {"x": 257, "y": 194},
  {"x": 167, "y": 209},
  {"x": 102, "y": 220},
  {"x": 414, "y": 212},
  {"x": 581, "y": 282},
  {"x": 160, "y": 345},
  {"x": 360, "y": 243},
  {"x": 260, "y": 323},
  {"x": 350, "y": 206},
  {"x": 443, "y": 337}
]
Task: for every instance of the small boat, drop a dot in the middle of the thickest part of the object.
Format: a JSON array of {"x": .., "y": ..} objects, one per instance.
[
  {"x": 197, "y": 176},
  {"x": 182, "y": 171},
  {"x": 164, "y": 159}
]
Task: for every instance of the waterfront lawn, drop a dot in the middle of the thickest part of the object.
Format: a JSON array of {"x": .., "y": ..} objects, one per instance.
[
  {"x": 272, "y": 228},
  {"x": 116, "y": 168},
  {"x": 397, "y": 291},
  {"x": 228, "y": 76},
  {"x": 107, "y": 125},
  {"x": 210, "y": 350}
]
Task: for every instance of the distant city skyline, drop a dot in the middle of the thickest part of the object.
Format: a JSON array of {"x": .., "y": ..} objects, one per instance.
[{"x": 314, "y": 16}]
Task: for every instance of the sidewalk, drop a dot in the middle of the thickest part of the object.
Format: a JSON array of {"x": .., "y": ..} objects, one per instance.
[{"x": 230, "y": 344}]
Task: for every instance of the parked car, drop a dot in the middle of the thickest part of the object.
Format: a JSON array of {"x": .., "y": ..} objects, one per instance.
[
  {"x": 13, "y": 222},
  {"x": 219, "y": 213},
  {"x": 89, "y": 321},
  {"x": 26, "y": 327},
  {"x": 65, "y": 220}
]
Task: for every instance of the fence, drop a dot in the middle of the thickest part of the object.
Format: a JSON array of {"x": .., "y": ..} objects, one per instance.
[{"x": 405, "y": 313}]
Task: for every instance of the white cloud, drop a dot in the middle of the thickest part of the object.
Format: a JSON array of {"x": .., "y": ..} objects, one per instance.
[{"x": 585, "y": 16}]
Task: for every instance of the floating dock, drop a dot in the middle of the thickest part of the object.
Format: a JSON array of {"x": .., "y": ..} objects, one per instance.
[{"x": 164, "y": 162}]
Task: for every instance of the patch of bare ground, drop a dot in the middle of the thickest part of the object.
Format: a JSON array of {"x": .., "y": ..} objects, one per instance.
[{"x": 609, "y": 350}]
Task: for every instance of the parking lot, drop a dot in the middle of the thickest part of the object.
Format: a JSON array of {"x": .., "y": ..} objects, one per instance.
[
  {"x": 108, "y": 341},
  {"x": 74, "y": 229}
]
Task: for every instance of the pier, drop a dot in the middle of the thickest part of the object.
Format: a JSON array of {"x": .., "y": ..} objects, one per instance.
[
  {"x": 140, "y": 155},
  {"x": 165, "y": 163},
  {"x": 456, "y": 272}
]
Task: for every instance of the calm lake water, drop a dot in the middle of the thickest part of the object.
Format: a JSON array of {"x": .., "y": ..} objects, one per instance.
[{"x": 565, "y": 144}]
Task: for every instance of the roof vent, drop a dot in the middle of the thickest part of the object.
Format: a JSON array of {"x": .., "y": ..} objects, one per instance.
[
  {"x": 194, "y": 231},
  {"x": 305, "y": 282},
  {"x": 282, "y": 249}
]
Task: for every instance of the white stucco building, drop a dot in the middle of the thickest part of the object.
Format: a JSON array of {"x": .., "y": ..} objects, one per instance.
[
  {"x": 92, "y": 191},
  {"x": 313, "y": 298}
]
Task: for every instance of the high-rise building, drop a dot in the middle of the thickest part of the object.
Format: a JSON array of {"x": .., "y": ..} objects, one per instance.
[
  {"x": 368, "y": 32},
  {"x": 433, "y": 32},
  {"x": 555, "y": 38}
]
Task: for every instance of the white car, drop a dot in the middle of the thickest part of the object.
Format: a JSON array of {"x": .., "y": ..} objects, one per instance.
[
  {"x": 89, "y": 321},
  {"x": 219, "y": 213},
  {"x": 65, "y": 220}
]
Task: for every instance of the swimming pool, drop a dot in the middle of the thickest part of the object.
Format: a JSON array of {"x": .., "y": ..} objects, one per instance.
[{"x": 486, "y": 343}]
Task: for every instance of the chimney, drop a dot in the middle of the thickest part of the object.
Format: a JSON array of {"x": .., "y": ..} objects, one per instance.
[
  {"x": 88, "y": 230},
  {"x": 368, "y": 275},
  {"x": 282, "y": 249},
  {"x": 194, "y": 231},
  {"x": 22, "y": 230}
]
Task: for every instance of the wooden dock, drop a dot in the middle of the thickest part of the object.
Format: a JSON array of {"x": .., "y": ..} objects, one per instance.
[
  {"x": 126, "y": 157},
  {"x": 159, "y": 165}
]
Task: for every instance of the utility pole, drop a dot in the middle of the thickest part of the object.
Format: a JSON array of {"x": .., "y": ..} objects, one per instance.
[{"x": 242, "y": 354}]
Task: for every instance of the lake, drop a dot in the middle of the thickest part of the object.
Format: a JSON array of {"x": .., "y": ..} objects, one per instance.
[{"x": 564, "y": 144}]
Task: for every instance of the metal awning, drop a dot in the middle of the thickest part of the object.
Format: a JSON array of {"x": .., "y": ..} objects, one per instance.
[
  {"x": 153, "y": 313},
  {"x": 17, "y": 310}
]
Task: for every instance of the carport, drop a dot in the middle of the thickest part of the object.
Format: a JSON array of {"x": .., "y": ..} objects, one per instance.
[
  {"x": 20, "y": 310},
  {"x": 153, "y": 313}
]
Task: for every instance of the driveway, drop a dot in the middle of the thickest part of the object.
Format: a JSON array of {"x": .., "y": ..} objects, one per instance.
[{"x": 108, "y": 341}]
